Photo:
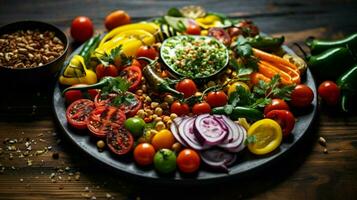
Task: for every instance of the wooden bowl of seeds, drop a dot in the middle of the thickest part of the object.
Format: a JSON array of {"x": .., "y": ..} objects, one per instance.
[{"x": 31, "y": 52}]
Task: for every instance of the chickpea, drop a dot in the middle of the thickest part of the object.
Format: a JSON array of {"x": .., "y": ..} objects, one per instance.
[
  {"x": 153, "y": 105},
  {"x": 234, "y": 74},
  {"x": 164, "y": 105},
  {"x": 158, "y": 111},
  {"x": 168, "y": 123},
  {"x": 141, "y": 113},
  {"x": 144, "y": 88},
  {"x": 100, "y": 144},
  {"x": 147, "y": 99},
  {"x": 228, "y": 71},
  {"x": 198, "y": 94},
  {"x": 154, "y": 116},
  {"x": 160, "y": 125},
  {"x": 169, "y": 99},
  {"x": 173, "y": 116},
  {"x": 211, "y": 84},
  {"x": 139, "y": 92},
  {"x": 176, "y": 147},
  {"x": 149, "y": 112},
  {"x": 166, "y": 119},
  {"x": 157, "y": 119}
]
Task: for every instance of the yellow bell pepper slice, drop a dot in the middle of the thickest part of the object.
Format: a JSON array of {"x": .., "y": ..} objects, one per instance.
[
  {"x": 267, "y": 136},
  {"x": 209, "y": 21}
]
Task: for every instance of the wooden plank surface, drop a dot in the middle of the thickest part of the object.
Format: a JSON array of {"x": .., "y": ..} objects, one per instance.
[{"x": 306, "y": 173}]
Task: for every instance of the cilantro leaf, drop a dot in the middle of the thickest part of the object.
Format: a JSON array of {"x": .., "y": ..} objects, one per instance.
[
  {"x": 250, "y": 139},
  {"x": 273, "y": 89}
]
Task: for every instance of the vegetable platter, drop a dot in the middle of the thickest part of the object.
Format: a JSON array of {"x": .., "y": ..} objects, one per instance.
[{"x": 189, "y": 97}]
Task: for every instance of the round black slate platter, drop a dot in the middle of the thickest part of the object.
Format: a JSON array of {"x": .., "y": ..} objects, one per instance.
[{"x": 245, "y": 164}]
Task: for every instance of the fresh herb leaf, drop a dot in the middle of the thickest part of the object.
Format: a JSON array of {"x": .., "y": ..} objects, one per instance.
[
  {"x": 261, "y": 103},
  {"x": 250, "y": 139},
  {"x": 243, "y": 48},
  {"x": 110, "y": 58},
  {"x": 273, "y": 89},
  {"x": 228, "y": 109},
  {"x": 174, "y": 12}
]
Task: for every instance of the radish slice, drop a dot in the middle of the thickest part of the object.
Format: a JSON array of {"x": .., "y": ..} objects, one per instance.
[
  {"x": 187, "y": 132},
  {"x": 210, "y": 130},
  {"x": 174, "y": 129},
  {"x": 218, "y": 159}
]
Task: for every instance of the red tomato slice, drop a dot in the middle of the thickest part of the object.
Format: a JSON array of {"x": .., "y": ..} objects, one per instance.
[
  {"x": 120, "y": 141},
  {"x": 133, "y": 75},
  {"x": 78, "y": 112},
  {"x": 104, "y": 119}
]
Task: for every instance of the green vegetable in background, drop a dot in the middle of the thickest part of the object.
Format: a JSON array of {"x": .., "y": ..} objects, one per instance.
[
  {"x": 318, "y": 46},
  {"x": 331, "y": 63},
  {"x": 266, "y": 43},
  {"x": 348, "y": 85}
]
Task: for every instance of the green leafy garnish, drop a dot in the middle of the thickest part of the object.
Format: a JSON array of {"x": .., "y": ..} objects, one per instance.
[
  {"x": 250, "y": 139},
  {"x": 119, "y": 86},
  {"x": 242, "y": 97},
  {"x": 273, "y": 89},
  {"x": 116, "y": 52}
]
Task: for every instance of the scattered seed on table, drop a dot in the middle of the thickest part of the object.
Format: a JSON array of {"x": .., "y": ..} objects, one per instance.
[
  {"x": 100, "y": 144},
  {"x": 21, "y": 180},
  {"x": 325, "y": 151},
  {"x": 322, "y": 141}
]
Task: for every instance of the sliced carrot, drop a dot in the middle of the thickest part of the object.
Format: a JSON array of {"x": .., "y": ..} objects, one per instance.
[
  {"x": 294, "y": 75},
  {"x": 270, "y": 71},
  {"x": 272, "y": 58},
  {"x": 255, "y": 77}
]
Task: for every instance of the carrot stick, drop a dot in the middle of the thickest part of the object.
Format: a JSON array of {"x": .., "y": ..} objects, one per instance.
[
  {"x": 255, "y": 77},
  {"x": 270, "y": 71},
  {"x": 294, "y": 75},
  {"x": 272, "y": 58}
]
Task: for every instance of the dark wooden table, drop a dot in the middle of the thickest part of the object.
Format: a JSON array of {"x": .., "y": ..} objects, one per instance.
[{"x": 26, "y": 117}]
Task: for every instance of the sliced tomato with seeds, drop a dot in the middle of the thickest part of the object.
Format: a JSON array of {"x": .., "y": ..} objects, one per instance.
[
  {"x": 129, "y": 109},
  {"x": 120, "y": 141},
  {"x": 78, "y": 112},
  {"x": 104, "y": 119},
  {"x": 133, "y": 75}
]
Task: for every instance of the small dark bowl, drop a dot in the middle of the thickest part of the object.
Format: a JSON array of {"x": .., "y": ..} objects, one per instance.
[{"x": 36, "y": 76}]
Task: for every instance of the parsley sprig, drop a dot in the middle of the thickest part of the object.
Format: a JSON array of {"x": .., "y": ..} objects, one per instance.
[
  {"x": 114, "y": 54},
  {"x": 273, "y": 89},
  {"x": 119, "y": 86}
]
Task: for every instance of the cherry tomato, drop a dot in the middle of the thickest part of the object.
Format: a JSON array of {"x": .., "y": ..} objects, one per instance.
[
  {"x": 220, "y": 34},
  {"x": 144, "y": 154},
  {"x": 180, "y": 108},
  {"x": 81, "y": 29},
  {"x": 165, "y": 161},
  {"x": 234, "y": 31},
  {"x": 301, "y": 96},
  {"x": 109, "y": 70},
  {"x": 148, "y": 52},
  {"x": 78, "y": 112},
  {"x": 285, "y": 119},
  {"x": 276, "y": 104},
  {"x": 188, "y": 161},
  {"x": 132, "y": 74},
  {"x": 164, "y": 139},
  {"x": 216, "y": 98},
  {"x": 248, "y": 28},
  {"x": 119, "y": 140},
  {"x": 115, "y": 19},
  {"x": 130, "y": 110},
  {"x": 135, "y": 125},
  {"x": 329, "y": 92},
  {"x": 187, "y": 87},
  {"x": 73, "y": 95},
  {"x": 201, "y": 108},
  {"x": 102, "y": 119},
  {"x": 193, "y": 29}
]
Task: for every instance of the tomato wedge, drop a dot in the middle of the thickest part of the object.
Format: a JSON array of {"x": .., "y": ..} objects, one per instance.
[
  {"x": 104, "y": 119},
  {"x": 120, "y": 141},
  {"x": 77, "y": 113},
  {"x": 133, "y": 75},
  {"x": 129, "y": 109}
]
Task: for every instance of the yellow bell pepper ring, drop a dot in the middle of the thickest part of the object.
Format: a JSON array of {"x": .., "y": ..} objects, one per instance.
[
  {"x": 77, "y": 72},
  {"x": 264, "y": 136}
]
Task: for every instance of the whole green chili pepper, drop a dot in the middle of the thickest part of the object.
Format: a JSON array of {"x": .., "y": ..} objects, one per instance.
[
  {"x": 348, "y": 85},
  {"x": 89, "y": 47},
  {"x": 331, "y": 63},
  {"x": 318, "y": 46},
  {"x": 238, "y": 112},
  {"x": 99, "y": 85},
  {"x": 266, "y": 43},
  {"x": 155, "y": 81}
]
